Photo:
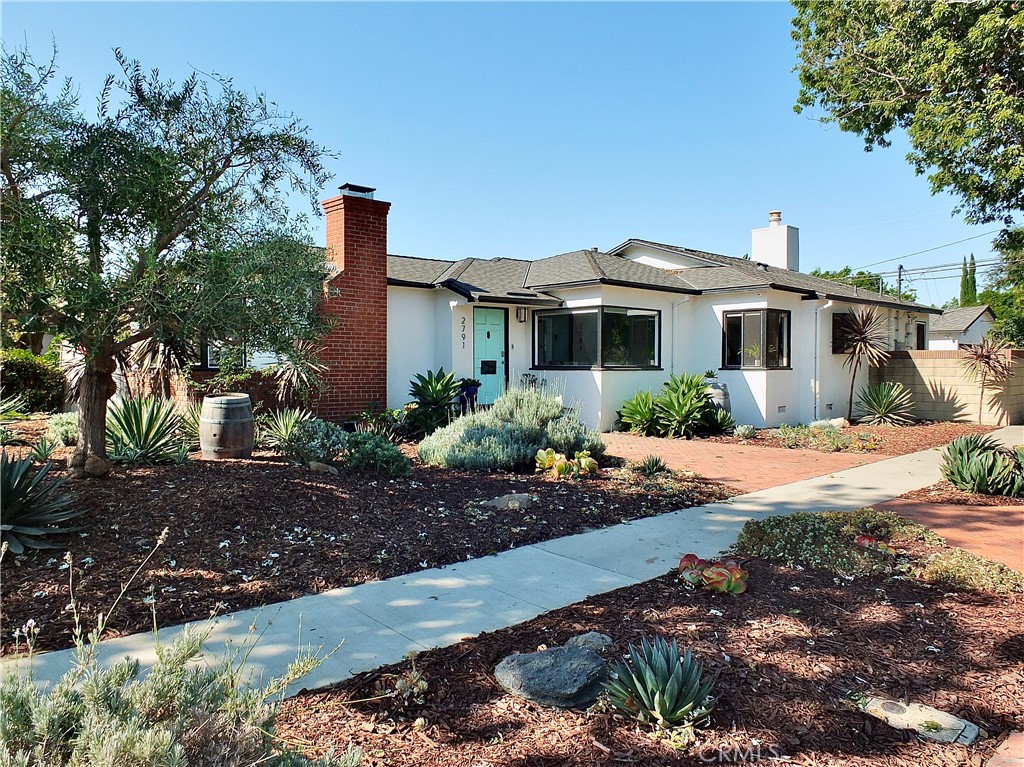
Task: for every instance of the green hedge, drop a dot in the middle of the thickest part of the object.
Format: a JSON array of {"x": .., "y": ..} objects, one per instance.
[{"x": 42, "y": 383}]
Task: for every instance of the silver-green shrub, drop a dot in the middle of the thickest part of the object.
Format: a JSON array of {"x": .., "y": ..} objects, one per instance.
[
  {"x": 314, "y": 440},
  {"x": 179, "y": 713},
  {"x": 63, "y": 429},
  {"x": 509, "y": 434}
]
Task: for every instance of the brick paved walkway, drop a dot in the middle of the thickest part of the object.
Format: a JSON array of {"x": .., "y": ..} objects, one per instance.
[
  {"x": 996, "y": 532},
  {"x": 743, "y": 466}
]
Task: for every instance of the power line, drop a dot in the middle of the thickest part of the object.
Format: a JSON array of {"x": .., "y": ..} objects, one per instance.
[{"x": 929, "y": 250}]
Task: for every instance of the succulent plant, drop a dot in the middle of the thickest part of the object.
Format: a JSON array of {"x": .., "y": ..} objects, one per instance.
[
  {"x": 32, "y": 508},
  {"x": 657, "y": 685},
  {"x": 651, "y": 465},
  {"x": 888, "y": 403},
  {"x": 726, "y": 576},
  {"x": 143, "y": 429},
  {"x": 744, "y": 431},
  {"x": 974, "y": 463}
]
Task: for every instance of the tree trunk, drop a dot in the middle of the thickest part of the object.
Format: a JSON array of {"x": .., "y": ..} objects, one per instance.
[
  {"x": 981, "y": 397},
  {"x": 853, "y": 382},
  {"x": 97, "y": 386}
]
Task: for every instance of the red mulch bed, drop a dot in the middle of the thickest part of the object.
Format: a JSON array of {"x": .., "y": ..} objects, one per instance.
[
  {"x": 944, "y": 492},
  {"x": 892, "y": 440},
  {"x": 249, "y": 533},
  {"x": 785, "y": 656}
]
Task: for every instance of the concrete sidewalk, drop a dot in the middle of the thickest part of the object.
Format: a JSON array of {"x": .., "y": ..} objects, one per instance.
[{"x": 379, "y": 623}]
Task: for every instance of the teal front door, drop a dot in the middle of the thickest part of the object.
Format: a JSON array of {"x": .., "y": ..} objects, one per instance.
[{"x": 489, "y": 352}]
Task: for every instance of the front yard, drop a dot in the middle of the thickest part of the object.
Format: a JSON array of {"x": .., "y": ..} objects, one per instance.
[
  {"x": 788, "y": 658},
  {"x": 248, "y": 533}
]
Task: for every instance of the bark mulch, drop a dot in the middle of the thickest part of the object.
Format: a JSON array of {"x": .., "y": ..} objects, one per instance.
[
  {"x": 249, "y": 533},
  {"x": 890, "y": 440},
  {"x": 944, "y": 492},
  {"x": 786, "y": 656}
]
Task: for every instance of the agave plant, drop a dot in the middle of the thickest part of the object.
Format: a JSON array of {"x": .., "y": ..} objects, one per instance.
[
  {"x": 143, "y": 429},
  {"x": 434, "y": 394},
  {"x": 650, "y": 466},
  {"x": 42, "y": 451},
  {"x": 188, "y": 426},
  {"x": 659, "y": 686},
  {"x": 278, "y": 426},
  {"x": 638, "y": 414},
  {"x": 12, "y": 407},
  {"x": 975, "y": 464},
  {"x": 744, "y": 431},
  {"x": 861, "y": 336},
  {"x": 986, "y": 362},
  {"x": 717, "y": 421},
  {"x": 888, "y": 403},
  {"x": 682, "y": 405},
  {"x": 32, "y": 508}
]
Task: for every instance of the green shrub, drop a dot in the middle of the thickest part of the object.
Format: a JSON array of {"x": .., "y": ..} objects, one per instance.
[
  {"x": 31, "y": 507},
  {"x": 958, "y": 569},
  {"x": 434, "y": 395},
  {"x": 278, "y": 426},
  {"x": 180, "y": 712},
  {"x": 314, "y": 440},
  {"x": 388, "y": 423},
  {"x": 744, "y": 431},
  {"x": 509, "y": 434},
  {"x": 888, "y": 403},
  {"x": 63, "y": 429},
  {"x": 143, "y": 429},
  {"x": 976, "y": 464},
  {"x": 376, "y": 453},
  {"x": 40, "y": 383},
  {"x": 659, "y": 686}
]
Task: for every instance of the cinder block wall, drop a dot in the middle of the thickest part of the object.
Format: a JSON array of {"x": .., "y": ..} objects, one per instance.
[{"x": 943, "y": 392}]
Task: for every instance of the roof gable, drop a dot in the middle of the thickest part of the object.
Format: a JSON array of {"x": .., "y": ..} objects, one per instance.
[{"x": 960, "y": 319}]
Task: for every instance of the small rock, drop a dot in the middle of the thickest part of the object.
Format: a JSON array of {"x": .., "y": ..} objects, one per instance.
[
  {"x": 566, "y": 677},
  {"x": 511, "y": 501},
  {"x": 592, "y": 640},
  {"x": 322, "y": 468},
  {"x": 926, "y": 721},
  {"x": 839, "y": 423}
]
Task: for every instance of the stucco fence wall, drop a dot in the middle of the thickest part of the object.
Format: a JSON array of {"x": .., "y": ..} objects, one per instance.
[{"x": 943, "y": 392}]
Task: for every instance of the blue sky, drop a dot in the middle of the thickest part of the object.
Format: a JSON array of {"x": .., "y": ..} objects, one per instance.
[{"x": 524, "y": 130}]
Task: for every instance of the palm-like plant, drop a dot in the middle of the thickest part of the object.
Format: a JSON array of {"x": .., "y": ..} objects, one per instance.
[
  {"x": 31, "y": 508},
  {"x": 143, "y": 429},
  {"x": 986, "y": 362},
  {"x": 300, "y": 373},
  {"x": 861, "y": 336}
]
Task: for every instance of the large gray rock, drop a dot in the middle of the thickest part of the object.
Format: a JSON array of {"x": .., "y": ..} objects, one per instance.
[
  {"x": 926, "y": 721},
  {"x": 566, "y": 677},
  {"x": 592, "y": 640}
]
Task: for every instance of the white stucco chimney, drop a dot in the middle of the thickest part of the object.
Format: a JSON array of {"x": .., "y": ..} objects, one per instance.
[{"x": 777, "y": 244}]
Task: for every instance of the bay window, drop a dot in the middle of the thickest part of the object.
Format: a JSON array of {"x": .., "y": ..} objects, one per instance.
[
  {"x": 597, "y": 337},
  {"x": 757, "y": 339}
]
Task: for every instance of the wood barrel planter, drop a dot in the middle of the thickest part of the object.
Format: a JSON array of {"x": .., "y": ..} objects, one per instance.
[
  {"x": 226, "y": 426},
  {"x": 718, "y": 393}
]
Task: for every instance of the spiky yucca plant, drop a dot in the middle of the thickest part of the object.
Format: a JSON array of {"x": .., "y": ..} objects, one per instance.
[
  {"x": 861, "y": 336},
  {"x": 278, "y": 426},
  {"x": 31, "y": 507},
  {"x": 13, "y": 406},
  {"x": 985, "y": 363},
  {"x": 143, "y": 429},
  {"x": 888, "y": 403},
  {"x": 658, "y": 685}
]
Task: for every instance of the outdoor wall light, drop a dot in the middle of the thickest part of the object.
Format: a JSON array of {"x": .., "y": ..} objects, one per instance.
[{"x": 521, "y": 313}]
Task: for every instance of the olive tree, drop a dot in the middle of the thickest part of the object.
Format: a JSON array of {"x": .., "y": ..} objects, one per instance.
[{"x": 160, "y": 220}]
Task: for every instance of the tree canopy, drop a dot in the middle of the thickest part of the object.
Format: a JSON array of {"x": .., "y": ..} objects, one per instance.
[
  {"x": 866, "y": 281},
  {"x": 161, "y": 220},
  {"x": 951, "y": 74}
]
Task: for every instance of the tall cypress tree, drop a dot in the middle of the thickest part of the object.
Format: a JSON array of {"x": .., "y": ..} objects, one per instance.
[
  {"x": 964, "y": 283},
  {"x": 972, "y": 282}
]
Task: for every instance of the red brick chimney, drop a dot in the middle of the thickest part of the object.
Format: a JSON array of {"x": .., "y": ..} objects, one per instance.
[{"x": 355, "y": 349}]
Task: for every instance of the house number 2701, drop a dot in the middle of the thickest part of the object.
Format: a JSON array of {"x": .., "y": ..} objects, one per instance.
[{"x": 463, "y": 332}]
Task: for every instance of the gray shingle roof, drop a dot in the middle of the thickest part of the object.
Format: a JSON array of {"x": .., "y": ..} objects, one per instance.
[
  {"x": 957, "y": 320},
  {"x": 729, "y": 273},
  {"x": 510, "y": 280}
]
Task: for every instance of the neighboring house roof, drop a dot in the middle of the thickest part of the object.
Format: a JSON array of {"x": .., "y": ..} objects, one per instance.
[
  {"x": 954, "y": 321},
  {"x": 508, "y": 280}
]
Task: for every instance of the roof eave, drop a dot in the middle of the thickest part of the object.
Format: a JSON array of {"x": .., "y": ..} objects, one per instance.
[{"x": 881, "y": 302}]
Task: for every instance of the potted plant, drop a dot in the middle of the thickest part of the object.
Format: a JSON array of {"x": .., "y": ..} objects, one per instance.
[{"x": 468, "y": 390}]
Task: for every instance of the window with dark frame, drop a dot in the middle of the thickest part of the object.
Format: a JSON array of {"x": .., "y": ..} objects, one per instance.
[
  {"x": 597, "y": 337},
  {"x": 756, "y": 339},
  {"x": 922, "y": 336}
]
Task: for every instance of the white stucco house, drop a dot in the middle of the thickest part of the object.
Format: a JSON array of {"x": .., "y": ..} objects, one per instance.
[
  {"x": 601, "y": 326},
  {"x": 956, "y": 327}
]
